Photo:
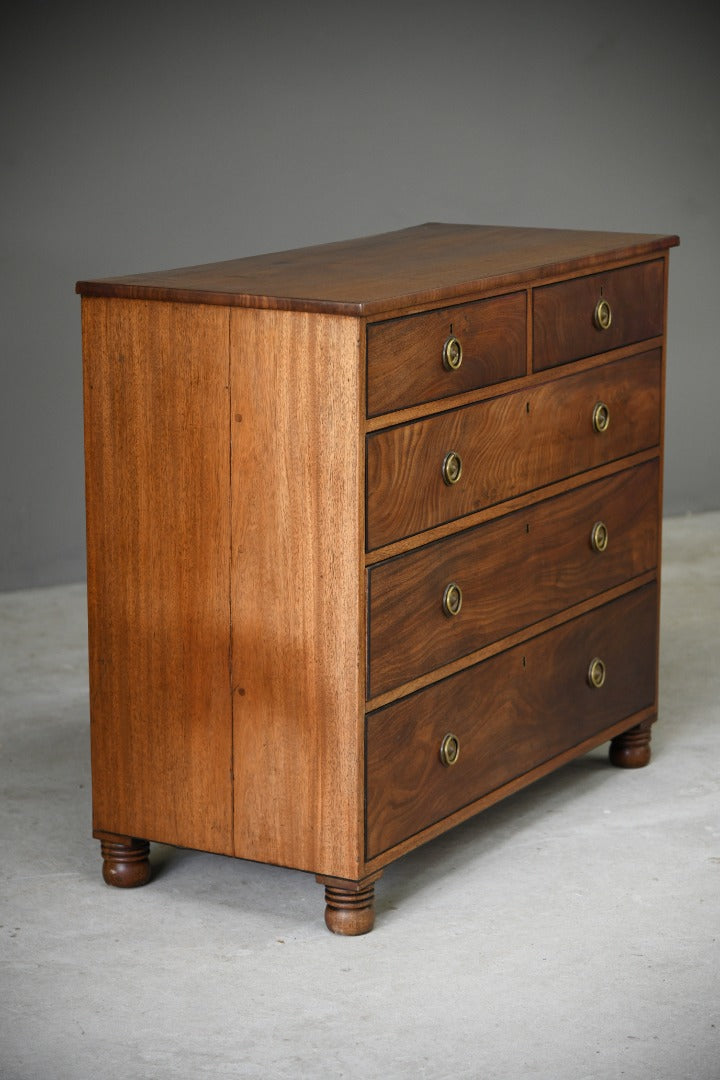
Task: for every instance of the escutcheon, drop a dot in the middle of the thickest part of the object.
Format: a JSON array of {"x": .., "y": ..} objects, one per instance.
[
  {"x": 601, "y": 417},
  {"x": 596, "y": 673},
  {"x": 452, "y": 355},
  {"x": 599, "y": 536},
  {"x": 451, "y": 468},
  {"x": 449, "y": 750},
  {"x": 602, "y": 316},
  {"x": 452, "y": 600}
]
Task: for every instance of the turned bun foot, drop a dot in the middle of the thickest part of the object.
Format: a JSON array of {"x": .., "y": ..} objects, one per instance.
[
  {"x": 350, "y": 905},
  {"x": 631, "y": 750},
  {"x": 126, "y": 865}
]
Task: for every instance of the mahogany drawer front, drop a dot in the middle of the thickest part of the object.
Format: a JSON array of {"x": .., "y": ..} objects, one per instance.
[
  {"x": 406, "y": 364},
  {"x": 508, "y": 445},
  {"x": 565, "y": 324},
  {"x": 511, "y": 573},
  {"x": 508, "y": 714}
]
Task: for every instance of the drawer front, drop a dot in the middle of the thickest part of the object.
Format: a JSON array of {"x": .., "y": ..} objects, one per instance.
[
  {"x": 565, "y": 323},
  {"x": 510, "y": 573},
  {"x": 507, "y": 446},
  {"x": 509, "y": 715},
  {"x": 407, "y": 363}
]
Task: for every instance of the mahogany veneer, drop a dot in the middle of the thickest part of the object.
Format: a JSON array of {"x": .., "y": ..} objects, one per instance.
[
  {"x": 513, "y": 572},
  {"x": 402, "y": 353},
  {"x": 513, "y": 712},
  {"x": 510, "y": 444},
  {"x": 373, "y": 540}
]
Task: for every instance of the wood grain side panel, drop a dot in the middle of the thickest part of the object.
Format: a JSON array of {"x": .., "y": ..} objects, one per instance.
[
  {"x": 508, "y": 445},
  {"x": 513, "y": 572},
  {"x": 510, "y": 714},
  {"x": 158, "y": 527},
  {"x": 297, "y": 593}
]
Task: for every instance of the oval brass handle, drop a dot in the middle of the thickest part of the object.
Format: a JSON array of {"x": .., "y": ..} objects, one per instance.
[
  {"x": 451, "y": 468},
  {"x": 596, "y": 673},
  {"x": 452, "y": 600},
  {"x": 601, "y": 417},
  {"x": 602, "y": 316},
  {"x": 599, "y": 536},
  {"x": 449, "y": 750},
  {"x": 452, "y": 354}
]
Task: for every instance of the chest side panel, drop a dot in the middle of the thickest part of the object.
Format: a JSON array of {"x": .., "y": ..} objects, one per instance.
[
  {"x": 157, "y": 478},
  {"x": 297, "y": 589}
]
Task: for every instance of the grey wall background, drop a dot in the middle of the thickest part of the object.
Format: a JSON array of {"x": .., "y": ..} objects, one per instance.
[{"x": 138, "y": 136}]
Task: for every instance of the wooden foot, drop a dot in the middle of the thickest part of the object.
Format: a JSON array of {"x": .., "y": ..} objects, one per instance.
[
  {"x": 631, "y": 750},
  {"x": 350, "y": 905},
  {"x": 125, "y": 863}
]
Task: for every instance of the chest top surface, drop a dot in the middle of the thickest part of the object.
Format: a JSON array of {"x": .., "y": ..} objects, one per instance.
[{"x": 390, "y": 271}]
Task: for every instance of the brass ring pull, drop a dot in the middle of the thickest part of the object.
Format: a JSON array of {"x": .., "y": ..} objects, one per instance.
[
  {"x": 599, "y": 536},
  {"x": 601, "y": 417},
  {"x": 596, "y": 673},
  {"x": 602, "y": 316},
  {"x": 451, "y": 468},
  {"x": 452, "y": 600},
  {"x": 452, "y": 354},
  {"x": 449, "y": 750}
]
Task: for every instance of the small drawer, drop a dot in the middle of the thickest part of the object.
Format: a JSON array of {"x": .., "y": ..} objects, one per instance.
[
  {"x": 438, "y": 469},
  {"x": 442, "y": 602},
  {"x": 438, "y": 353},
  {"x": 590, "y": 315},
  {"x": 439, "y": 750}
]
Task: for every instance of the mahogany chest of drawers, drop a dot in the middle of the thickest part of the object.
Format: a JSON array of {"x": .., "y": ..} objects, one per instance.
[{"x": 373, "y": 540}]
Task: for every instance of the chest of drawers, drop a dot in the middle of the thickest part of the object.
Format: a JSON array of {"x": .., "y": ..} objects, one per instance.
[{"x": 373, "y": 540}]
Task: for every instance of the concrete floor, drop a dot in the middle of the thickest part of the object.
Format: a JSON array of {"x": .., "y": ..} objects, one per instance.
[{"x": 570, "y": 932}]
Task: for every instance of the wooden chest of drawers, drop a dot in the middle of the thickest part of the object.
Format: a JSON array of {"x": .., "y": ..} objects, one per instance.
[{"x": 373, "y": 540}]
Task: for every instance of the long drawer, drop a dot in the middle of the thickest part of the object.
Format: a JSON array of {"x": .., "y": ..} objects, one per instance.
[
  {"x": 506, "y": 716},
  {"x": 440, "y": 468},
  {"x": 590, "y": 315},
  {"x": 431, "y": 606}
]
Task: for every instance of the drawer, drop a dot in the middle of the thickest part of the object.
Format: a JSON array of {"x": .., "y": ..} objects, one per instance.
[
  {"x": 568, "y": 326},
  {"x": 508, "y": 574},
  {"x": 508, "y": 714},
  {"x": 407, "y": 362},
  {"x": 507, "y": 446}
]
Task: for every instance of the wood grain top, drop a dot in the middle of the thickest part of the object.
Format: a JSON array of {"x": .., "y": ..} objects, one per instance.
[{"x": 390, "y": 271}]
